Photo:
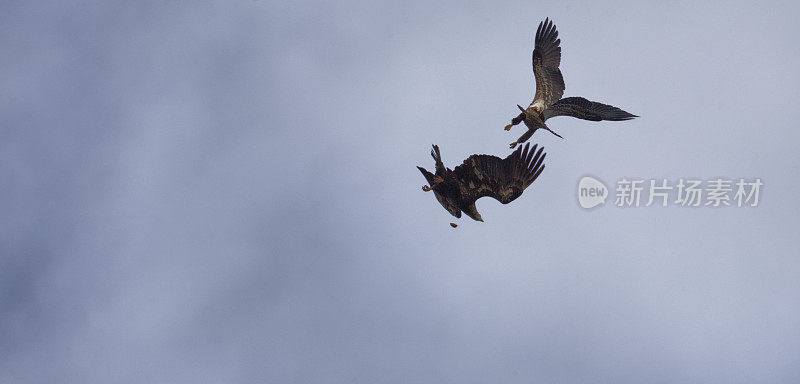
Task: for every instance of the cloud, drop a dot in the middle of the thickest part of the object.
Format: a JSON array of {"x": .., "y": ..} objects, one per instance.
[{"x": 226, "y": 192}]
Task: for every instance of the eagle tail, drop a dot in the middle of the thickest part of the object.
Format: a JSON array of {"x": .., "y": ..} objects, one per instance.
[{"x": 437, "y": 157}]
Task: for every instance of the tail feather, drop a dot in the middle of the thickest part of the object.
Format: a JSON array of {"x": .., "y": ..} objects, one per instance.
[{"x": 437, "y": 157}]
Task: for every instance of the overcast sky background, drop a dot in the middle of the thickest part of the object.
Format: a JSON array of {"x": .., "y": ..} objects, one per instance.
[{"x": 226, "y": 192}]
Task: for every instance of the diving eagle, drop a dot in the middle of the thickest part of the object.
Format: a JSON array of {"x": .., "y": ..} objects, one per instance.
[
  {"x": 483, "y": 175},
  {"x": 547, "y": 102}
]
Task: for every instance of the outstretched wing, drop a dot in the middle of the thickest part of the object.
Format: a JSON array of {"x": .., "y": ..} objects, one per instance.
[
  {"x": 546, "y": 59},
  {"x": 586, "y": 110},
  {"x": 502, "y": 179}
]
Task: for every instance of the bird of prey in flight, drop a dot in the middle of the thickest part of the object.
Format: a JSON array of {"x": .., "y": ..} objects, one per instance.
[
  {"x": 483, "y": 175},
  {"x": 547, "y": 102}
]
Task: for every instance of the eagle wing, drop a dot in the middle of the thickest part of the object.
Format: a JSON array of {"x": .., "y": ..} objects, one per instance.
[
  {"x": 502, "y": 179},
  {"x": 546, "y": 59},
  {"x": 586, "y": 110}
]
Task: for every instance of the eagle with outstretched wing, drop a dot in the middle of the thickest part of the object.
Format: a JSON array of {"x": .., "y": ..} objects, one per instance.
[
  {"x": 547, "y": 102},
  {"x": 483, "y": 175}
]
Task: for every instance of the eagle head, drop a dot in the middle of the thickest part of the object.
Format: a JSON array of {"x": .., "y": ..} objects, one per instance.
[{"x": 472, "y": 212}]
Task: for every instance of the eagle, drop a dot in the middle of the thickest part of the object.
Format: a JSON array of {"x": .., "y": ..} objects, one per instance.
[
  {"x": 483, "y": 175},
  {"x": 547, "y": 102}
]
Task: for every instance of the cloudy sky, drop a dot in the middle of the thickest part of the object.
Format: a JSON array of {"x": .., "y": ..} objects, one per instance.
[{"x": 226, "y": 192}]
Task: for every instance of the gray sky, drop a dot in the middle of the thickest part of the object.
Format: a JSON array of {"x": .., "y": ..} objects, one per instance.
[{"x": 227, "y": 192}]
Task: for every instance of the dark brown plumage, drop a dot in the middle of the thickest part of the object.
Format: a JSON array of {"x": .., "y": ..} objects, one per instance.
[
  {"x": 586, "y": 110},
  {"x": 547, "y": 102},
  {"x": 483, "y": 175}
]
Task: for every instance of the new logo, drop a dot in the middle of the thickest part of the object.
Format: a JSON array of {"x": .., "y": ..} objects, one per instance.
[{"x": 591, "y": 192}]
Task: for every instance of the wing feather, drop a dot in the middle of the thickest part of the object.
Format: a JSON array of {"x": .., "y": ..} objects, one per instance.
[
  {"x": 546, "y": 60},
  {"x": 501, "y": 179},
  {"x": 586, "y": 110}
]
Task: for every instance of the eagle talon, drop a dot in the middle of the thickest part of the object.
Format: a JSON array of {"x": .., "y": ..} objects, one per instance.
[
  {"x": 508, "y": 127},
  {"x": 426, "y": 188},
  {"x": 514, "y": 144}
]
